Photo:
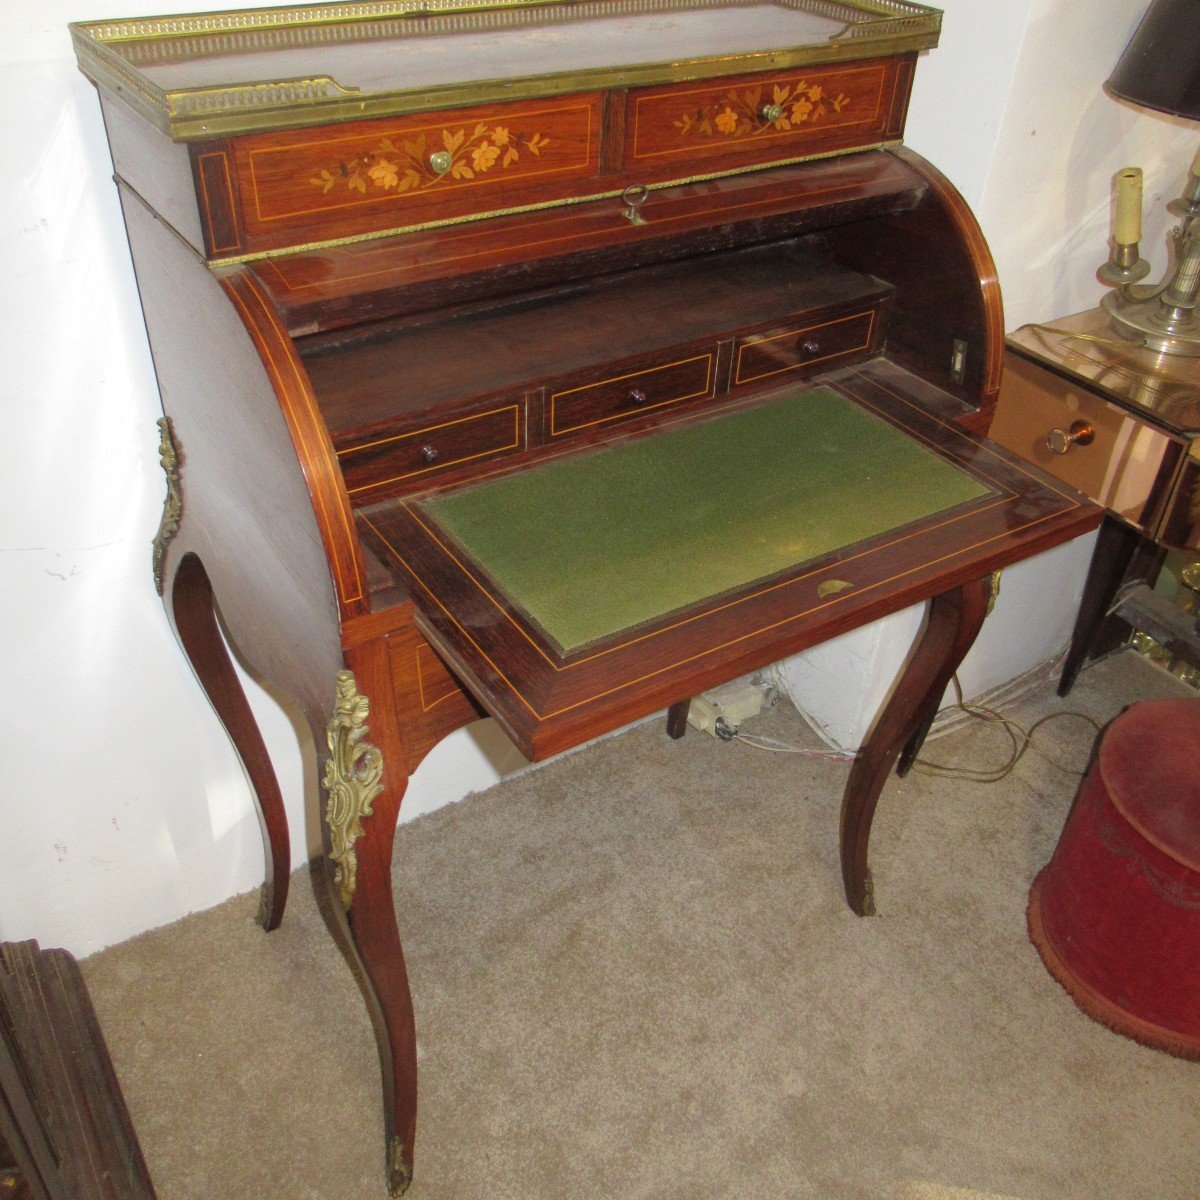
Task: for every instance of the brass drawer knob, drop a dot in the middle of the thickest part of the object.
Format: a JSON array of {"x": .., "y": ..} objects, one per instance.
[
  {"x": 440, "y": 161},
  {"x": 770, "y": 113},
  {"x": 1081, "y": 433},
  {"x": 810, "y": 348},
  {"x": 429, "y": 454},
  {"x": 637, "y": 397}
]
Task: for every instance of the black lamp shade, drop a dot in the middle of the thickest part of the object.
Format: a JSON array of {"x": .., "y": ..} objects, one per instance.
[{"x": 1160, "y": 68}]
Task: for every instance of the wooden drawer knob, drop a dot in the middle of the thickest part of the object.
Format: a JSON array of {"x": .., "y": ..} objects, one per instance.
[{"x": 1081, "y": 433}]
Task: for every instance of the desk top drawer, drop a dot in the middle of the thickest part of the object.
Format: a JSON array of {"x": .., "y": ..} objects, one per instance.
[
  {"x": 692, "y": 129},
  {"x": 626, "y": 393},
  {"x": 307, "y": 185},
  {"x": 385, "y": 464},
  {"x": 1125, "y": 464}
]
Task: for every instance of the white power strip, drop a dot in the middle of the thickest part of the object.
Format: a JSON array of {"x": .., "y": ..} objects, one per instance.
[{"x": 720, "y": 712}]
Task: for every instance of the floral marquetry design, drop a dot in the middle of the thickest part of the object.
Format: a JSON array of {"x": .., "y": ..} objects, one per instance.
[
  {"x": 742, "y": 114},
  {"x": 410, "y": 164}
]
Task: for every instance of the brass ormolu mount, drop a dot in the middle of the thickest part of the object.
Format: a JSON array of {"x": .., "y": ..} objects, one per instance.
[
  {"x": 353, "y": 778},
  {"x": 172, "y": 513}
]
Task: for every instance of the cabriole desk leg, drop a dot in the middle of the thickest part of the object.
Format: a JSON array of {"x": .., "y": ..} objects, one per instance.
[
  {"x": 1115, "y": 547},
  {"x": 195, "y": 611},
  {"x": 364, "y": 784},
  {"x": 954, "y": 619}
]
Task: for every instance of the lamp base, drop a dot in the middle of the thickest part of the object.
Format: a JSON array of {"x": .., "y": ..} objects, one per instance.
[{"x": 1159, "y": 326}]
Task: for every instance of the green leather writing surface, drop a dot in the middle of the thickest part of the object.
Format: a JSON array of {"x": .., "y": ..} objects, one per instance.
[{"x": 595, "y": 544}]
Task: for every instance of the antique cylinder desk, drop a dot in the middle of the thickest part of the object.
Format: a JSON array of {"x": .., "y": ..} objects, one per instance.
[{"x": 555, "y": 362}]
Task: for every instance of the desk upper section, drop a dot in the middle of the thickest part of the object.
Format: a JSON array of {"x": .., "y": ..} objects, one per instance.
[
  {"x": 211, "y": 75},
  {"x": 328, "y": 123}
]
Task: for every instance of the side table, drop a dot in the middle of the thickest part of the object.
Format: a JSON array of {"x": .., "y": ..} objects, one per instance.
[{"x": 1121, "y": 424}]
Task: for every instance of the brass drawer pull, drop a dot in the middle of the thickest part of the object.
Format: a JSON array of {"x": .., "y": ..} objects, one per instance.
[
  {"x": 637, "y": 397},
  {"x": 810, "y": 348},
  {"x": 440, "y": 161},
  {"x": 430, "y": 453},
  {"x": 1081, "y": 433},
  {"x": 770, "y": 113}
]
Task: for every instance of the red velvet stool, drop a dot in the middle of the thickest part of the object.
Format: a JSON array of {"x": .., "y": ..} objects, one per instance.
[{"x": 1115, "y": 914}]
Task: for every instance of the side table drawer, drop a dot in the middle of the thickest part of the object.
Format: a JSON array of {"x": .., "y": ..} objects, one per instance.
[
  {"x": 1127, "y": 466},
  {"x": 801, "y": 346},
  {"x": 388, "y": 460},
  {"x": 623, "y": 395}
]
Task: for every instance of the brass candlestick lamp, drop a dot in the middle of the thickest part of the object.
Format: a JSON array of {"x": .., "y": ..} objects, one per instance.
[{"x": 1160, "y": 69}]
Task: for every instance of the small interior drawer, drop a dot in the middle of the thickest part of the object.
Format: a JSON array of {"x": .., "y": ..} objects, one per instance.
[
  {"x": 693, "y": 128},
  {"x": 1126, "y": 464},
  {"x": 802, "y": 346},
  {"x": 624, "y": 394},
  {"x": 387, "y": 460}
]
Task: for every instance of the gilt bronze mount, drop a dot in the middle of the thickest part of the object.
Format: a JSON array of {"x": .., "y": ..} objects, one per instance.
[
  {"x": 172, "y": 513},
  {"x": 353, "y": 778}
]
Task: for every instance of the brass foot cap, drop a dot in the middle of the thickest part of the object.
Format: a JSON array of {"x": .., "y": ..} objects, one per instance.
[{"x": 399, "y": 1169}]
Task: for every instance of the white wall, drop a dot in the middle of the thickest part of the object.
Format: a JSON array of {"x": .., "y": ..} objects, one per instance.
[
  {"x": 959, "y": 90},
  {"x": 121, "y": 804},
  {"x": 1047, "y": 203}
]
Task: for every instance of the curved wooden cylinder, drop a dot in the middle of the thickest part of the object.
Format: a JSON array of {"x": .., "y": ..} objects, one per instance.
[{"x": 936, "y": 257}]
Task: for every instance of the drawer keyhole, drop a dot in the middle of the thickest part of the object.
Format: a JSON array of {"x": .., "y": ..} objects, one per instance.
[{"x": 1081, "y": 433}]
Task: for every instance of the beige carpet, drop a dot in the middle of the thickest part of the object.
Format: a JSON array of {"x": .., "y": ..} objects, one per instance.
[{"x": 635, "y": 976}]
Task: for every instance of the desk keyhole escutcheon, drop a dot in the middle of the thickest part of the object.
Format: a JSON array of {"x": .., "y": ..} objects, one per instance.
[{"x": 633, "y": 197}]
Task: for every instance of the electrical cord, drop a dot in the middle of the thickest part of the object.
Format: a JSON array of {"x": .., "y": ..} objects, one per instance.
[
  {"x": 760, "y": 742},
  {"x": 1021, "y": 740}
]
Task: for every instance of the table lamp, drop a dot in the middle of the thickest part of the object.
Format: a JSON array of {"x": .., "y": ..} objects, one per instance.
[{"x": 1160, "y": 69}]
